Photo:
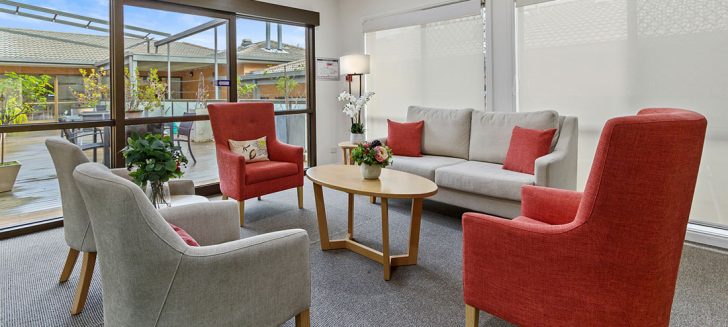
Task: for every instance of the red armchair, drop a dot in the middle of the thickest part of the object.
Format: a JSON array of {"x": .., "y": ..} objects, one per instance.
[
  {"x": 607, "y": 257},
  {"x": 240, "y": 180}
]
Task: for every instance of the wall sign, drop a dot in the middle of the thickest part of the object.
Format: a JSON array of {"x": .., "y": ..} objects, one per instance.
[
  {"x": 222, "y": 82},
  {"x": 327, "y": 69}
]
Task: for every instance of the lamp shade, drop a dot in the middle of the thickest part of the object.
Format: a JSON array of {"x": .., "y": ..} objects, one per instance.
[{"x": 354, "y": 64}]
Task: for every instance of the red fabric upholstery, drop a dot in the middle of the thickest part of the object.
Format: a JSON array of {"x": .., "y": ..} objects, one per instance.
[
  {"x": 607, "y": 257},
  {"x": 248, "y": 121},
  {"x": 184, "y": 235},
  {"x": 405, "y": 139},
  {"x": 526, "y": 146}
]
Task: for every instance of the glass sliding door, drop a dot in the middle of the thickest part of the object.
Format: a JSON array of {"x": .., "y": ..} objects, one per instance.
[
  {"x": 600, "y": 59},
  {"x": 52, "y": 73},
  {"x": 272, "y": 67}
]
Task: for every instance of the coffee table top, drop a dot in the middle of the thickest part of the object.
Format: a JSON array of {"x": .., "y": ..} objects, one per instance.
[{"x": 391, "y": 184}]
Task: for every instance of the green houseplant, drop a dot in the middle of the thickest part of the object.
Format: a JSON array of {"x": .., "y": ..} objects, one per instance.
[
  {"x": 372, "y": 157},
  {"x": 19, "y": 96},
  {"x": 153, "y": 160}
]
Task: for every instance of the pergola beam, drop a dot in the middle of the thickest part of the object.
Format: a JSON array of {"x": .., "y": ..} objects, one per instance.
[{"x": 189, "y": 32}]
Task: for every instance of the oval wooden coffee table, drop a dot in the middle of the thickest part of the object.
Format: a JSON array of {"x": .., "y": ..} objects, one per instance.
[{"x": 391, "y": 184}]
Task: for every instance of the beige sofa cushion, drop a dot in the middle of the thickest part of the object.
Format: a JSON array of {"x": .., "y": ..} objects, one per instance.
[
  {"x": 490, "y": 133},
  {"x": 483, "y": 178},
  {"x": 446, "y": 131},
  {"x": 424, "y": 166}
]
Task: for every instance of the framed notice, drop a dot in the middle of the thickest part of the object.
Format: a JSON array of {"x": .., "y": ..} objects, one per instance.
[{"x": 327, "y": 69}]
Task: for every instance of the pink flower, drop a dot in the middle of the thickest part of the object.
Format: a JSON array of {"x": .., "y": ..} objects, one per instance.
[
  {"x": 365, "y": 145},
  {"x": 381, "y": 154}
]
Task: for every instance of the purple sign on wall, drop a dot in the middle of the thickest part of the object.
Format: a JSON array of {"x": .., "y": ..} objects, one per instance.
[{"x": 222, "y": 82}]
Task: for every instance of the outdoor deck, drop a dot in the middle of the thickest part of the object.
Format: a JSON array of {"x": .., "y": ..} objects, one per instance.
[{"x": 36, "y": 195}]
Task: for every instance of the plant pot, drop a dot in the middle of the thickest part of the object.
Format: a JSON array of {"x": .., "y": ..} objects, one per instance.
[
  {"x": 370, "y": 171},
  {"x": 356, "y": 138},
  {"x": 8, "y": 175},
  {"x": 158, "y": 194}
]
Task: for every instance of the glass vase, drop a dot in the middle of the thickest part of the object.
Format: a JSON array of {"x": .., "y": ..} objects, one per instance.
[{"x": 158, "y": 193}]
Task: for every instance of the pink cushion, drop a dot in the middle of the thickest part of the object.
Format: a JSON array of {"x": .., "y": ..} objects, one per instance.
[
  {"x": 184, "y": 236},
  {"x": 526, "y": 146},
  {"x": 405, "y": 139},
  {"x": 262, "y": 171}
]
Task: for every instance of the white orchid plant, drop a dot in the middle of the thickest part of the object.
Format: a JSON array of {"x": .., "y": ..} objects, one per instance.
[{"x": 353, "y": 107}]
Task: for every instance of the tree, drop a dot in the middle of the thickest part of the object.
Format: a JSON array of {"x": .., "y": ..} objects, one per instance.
[
  {"x": 285, "y": 86},
  {"x": 246, "y": 89}
]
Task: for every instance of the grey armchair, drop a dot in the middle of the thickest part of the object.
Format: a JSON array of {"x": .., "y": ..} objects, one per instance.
[
  {"x": 76, "y": 226},
  {"x": 149, "y": 276}
]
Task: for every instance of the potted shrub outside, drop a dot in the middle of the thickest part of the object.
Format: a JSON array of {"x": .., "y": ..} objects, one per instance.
[
  {"x": 19, "y": 96},
  {"x": 94, "y": 89},
  {"x": 143, "y": 95}
]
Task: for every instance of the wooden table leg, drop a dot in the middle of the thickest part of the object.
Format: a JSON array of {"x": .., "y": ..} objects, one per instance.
[
  {"x": 351, "y": 216},
  {"x": 321, "y": 214},
  {"x": 346, "y": 160},
  {"x": 414, "y": 237},
  {"x": 385, "y": 239}
]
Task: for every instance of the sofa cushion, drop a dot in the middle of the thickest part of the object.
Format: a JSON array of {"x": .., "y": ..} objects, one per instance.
[
  {"x": 491, "y": 131},
  {"x": 526, "y": 146},
  {"x": 184, "y": 235},
  {"x": 405, "y": 139},
  {"x": 483, "y": 178},
  {"x": 446, "y": 131},
  {"x": 424, "y": 166}
]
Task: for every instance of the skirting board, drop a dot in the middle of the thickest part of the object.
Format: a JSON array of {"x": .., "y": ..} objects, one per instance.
[{"x": 706, "y": 235}]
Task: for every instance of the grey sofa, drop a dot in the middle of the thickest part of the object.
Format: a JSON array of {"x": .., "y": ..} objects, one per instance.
[
  {"x": 150, "y": 277},
  {"x": 464, "y": 149}
]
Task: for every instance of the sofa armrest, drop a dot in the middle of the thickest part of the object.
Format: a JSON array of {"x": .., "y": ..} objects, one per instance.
[
  {"x": 208, "y": 223},
  {"x": 263, "y": 280},
  {"x": 558, "y": 168},
  {"x": 549, "y": 205}
]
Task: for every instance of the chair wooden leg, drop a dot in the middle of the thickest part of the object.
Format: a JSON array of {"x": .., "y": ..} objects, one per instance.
[
  {"x": 84, "y": 282},
  {"x": 224, "y": 197},
  {"x": 68, "y": 266},
  {"x": 373, "y": 199},
  {"x": 303, "y": 319},
  {"x": 471, "y": 316},
  {"x": 299, "y": 190},
  {"x": 241, "y": 206}
]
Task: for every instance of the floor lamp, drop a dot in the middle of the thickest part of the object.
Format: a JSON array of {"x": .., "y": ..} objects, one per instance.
[{"x": 354, "y": 65}]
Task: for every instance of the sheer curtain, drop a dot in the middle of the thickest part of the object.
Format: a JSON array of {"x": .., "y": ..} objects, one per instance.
[
  {"x": 597, "y": 59},
  {"x": 437, "y": 64}
]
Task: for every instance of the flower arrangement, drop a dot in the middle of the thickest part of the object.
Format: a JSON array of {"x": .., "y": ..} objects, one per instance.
[
  {"x": 153, "y": 159},
  {"x": 353, "y": 106},
  {"x": 94, "y": 88},
  {"x": 373, "y": 154}
]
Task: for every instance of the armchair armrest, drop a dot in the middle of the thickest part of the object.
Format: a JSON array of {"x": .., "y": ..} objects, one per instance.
[
  {"x": 121, "y": 172},
  {"x": 181, "y": 187},
  {"x": 263, "y": 280},
  {"x": 558, "y": 168},
  {"x": 285, "y": 152},
  {"x": 549, "y": 205},
  {"x": 208, "y": 223},
  {"x": 231, "y": 168}
]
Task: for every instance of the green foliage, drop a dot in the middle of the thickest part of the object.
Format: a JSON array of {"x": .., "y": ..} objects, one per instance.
[
  {"x": 153, "y": 158},
  {"x": 246, "y": 89},
  {"x": 357, "y": 128},
  {"x": 373, "y": 154},
  {"x": 286, "y": 85},
  {"x": 143, "y": 94},
  {"x": 20, "y": 95},
  {"x": 94, "y": 88}
]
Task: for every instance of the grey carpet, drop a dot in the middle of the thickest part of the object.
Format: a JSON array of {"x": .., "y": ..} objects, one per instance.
[{"x": 348, "y": 290}]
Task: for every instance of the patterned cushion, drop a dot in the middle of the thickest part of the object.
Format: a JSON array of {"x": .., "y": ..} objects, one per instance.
[{"x": 252, "y": 150}]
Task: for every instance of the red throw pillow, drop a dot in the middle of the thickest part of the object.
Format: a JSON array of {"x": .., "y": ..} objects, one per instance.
[
  {"x": 526, "y": 146},
  {"x": 405, "y": 139},
  {"x": 184, "y": 236}
]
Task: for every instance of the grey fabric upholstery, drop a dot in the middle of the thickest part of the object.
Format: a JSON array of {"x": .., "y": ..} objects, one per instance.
[
  {"x": 558, "y": 168},
  {"x": 424, "y": 166},
  {"x": 476, "y": 202},
  {"x": 446, "y": 131},
  {"x": 76, "y": 226},
  {"x": 483, "y": 178},
  {"x": 490, "y": 132},
  {"x": 151, "y": 277},
  {"x": 207, "y": 222}
]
